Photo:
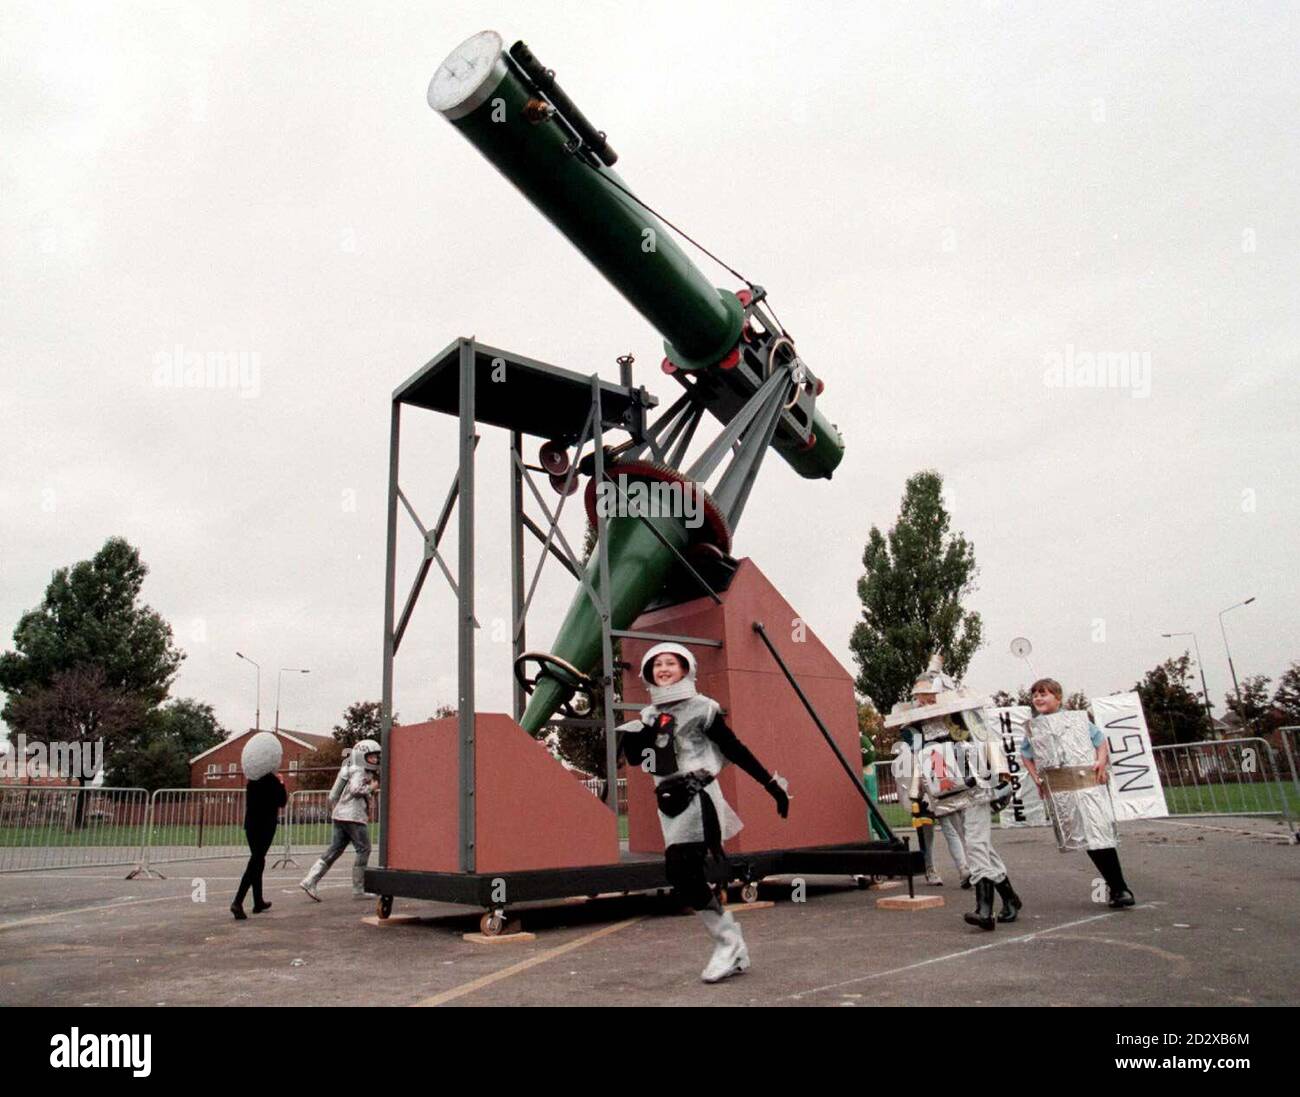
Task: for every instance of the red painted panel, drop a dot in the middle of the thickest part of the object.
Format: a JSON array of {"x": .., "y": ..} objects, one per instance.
[
  {"x": 530, "y": 812},
  {"x": 766, "y": 714}
]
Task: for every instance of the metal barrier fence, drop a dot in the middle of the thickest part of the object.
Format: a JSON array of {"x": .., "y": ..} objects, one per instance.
[
  {"x": 596, "y": 786},
  {"x": 1225, "y": 777},
  {"x": 1290, "y": 736},
  {"x": 191, "y": 824},
  {"x": 307, "y": 827},
  {"x": 886, "y": 786},
  {"x": 49, "y": 828}
]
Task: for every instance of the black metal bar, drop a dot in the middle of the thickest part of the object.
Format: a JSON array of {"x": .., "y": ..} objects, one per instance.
[
  {"x": 704, "y": 584},
  {"x": 856, "y": 780},
  {"x": 390, "y": 605},
  {"x": 536, "y": 530},
  {"x": 465, "y": 624},
  {"x": 518, "y": 520},
  {"x": 632, "y": 634}
]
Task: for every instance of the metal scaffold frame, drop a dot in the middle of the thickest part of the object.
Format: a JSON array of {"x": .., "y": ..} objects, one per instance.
[{"x": 631, "y": 404}]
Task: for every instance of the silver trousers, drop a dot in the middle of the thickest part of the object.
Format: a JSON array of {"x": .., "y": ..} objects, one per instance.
[{"x": 983, "y": 859}]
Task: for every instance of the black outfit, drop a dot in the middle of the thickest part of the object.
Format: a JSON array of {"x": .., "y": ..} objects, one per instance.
[
  {"x": 265, "y": 797},
  {"x": 687, "y": 863}
]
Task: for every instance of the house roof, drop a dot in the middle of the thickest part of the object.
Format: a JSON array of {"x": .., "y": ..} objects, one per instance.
[{"x": 310, "y": 739}]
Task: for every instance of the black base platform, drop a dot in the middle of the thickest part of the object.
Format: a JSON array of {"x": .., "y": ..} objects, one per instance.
[{"x": 639, "y": 872}]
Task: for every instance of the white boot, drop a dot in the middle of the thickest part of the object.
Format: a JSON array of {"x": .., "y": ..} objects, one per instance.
[
  {"x": 730, "y": 956},
  {"x": 359, "y": 883},
  {"x": 309, "y": 882}
]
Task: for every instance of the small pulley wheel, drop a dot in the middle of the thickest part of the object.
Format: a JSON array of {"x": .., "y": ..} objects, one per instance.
[
  {"x": 749, "y": 892},
  {"x": 492, "y": 923},
  {"x": 559, "y": 481},
  {"x": 384, "y": 907},
  {"x": 554, "y": 458}
]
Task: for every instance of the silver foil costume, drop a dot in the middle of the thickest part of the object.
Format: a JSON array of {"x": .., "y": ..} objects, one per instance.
[
  {"x": 350, "y": 801},
  {"x": 1083, "y": 815},
  {"x": 961, "y": 769},
  {"x": 683, "y": 742}
]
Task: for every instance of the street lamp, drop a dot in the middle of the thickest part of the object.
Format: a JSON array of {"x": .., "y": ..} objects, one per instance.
[
  {"x": 1241, "y": 711},
  {"x": 278, "y": 679},
  {"x": 258, "y": 725},
  {"x": 1200, "y": 665}
]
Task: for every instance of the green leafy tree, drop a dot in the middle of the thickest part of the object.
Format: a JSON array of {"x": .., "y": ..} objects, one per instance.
[
  {"x": 911, "y": 594},
  {"x": 91, "y": 617},
  {"x": 157, "y": 752},
  {"x": 1076, "y": 702},
  {"x": 318, "y": 769},
  {"x": 1287, "y": 698},
  {"x": 1254, "y": 709},
  {"x": 361, "y": 720},
  {"x": 1174, "y": 709},
  {"x": 1003, "y": 699}
]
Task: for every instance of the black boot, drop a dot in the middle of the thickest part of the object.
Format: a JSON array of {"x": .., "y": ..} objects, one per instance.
[
  {"x": 237, "y": 909},
  {"x": 1122, "y": 898},
  {"x": 1011, "y": 903},
  {"x": 983, "y": 916}
]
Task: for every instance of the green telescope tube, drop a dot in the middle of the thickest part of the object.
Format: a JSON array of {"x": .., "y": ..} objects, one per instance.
[
  {"x": 483, "y": 92},
  {"x": 639, "y": 565}
]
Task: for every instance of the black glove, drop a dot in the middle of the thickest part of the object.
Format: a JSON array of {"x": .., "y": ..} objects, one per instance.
[
  {"x": 779, "y": 795},
  {"x": 921, "y": 814}
]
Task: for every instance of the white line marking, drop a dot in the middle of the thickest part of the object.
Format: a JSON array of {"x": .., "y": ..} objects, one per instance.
[{"x": 957, "y": 955}]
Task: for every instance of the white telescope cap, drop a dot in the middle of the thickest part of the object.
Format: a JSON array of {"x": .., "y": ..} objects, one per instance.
[{"x": 469, "y": 75}]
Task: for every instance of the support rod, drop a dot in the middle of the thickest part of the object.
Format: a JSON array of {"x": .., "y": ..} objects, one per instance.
[{"x": 877, "y": 818}]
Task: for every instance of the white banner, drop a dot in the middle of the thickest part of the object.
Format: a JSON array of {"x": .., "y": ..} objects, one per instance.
[
  {"x": 1134, "y": 778},
  {"x": 1026, "y": 808}
]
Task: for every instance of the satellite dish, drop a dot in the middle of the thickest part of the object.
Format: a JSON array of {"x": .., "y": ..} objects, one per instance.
[{"x": 1020, "y": 647}]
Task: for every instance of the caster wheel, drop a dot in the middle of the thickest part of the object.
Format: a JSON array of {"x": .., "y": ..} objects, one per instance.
[
  {"x": 492, "y": 923},
  {"x": 749, "y": 893},
  {"x": 862, "y": 881},
  {"x": 384, "y": 907}
]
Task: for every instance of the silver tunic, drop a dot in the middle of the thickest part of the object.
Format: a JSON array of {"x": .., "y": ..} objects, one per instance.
[
  {"x": 1082, "y": 818},
  {"x": 694, "y": 751}
]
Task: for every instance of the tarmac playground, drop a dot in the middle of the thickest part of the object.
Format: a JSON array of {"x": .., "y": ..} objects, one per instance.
[{"x": 1216, "y": 923}]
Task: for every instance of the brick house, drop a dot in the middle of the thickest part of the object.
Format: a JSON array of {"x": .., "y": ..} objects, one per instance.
[{"x": 218, "y": 767}]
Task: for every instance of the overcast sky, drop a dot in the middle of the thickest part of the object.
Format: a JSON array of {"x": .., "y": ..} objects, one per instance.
[{"x": 941, "y": 201}]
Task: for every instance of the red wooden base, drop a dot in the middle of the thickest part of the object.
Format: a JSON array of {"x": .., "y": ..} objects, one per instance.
[{"x": 531, "y": 813}]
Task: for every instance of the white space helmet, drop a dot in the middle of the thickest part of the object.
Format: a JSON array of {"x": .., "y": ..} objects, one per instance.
[
  {"x": 648, "y": 660},
  {"x": 262, "y": 755},
  {"x": 359, "y": 752}
]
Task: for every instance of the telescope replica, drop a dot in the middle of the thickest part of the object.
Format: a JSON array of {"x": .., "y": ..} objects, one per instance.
[{"x": 475, "y": 809}]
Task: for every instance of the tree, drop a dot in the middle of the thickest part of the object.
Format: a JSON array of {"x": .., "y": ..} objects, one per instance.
[
  {"x": 911, "y": 597},
  {"x": 318, "y": 769},
  {"x": 1254, "y": 707},
  {"x": 1287, "y": 698},
  {"x": 873, "y": 738},
  {"x": 157, "y": 752},
  {"x": 361, "y": 720},
  {"x": 77, "y": 709},
  {"x": 1174, "y": 710},
  {"x": 1003, "y": 699},
  {"x": 1076, "y": 702},
  {"x": 91, "y": 617}
]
